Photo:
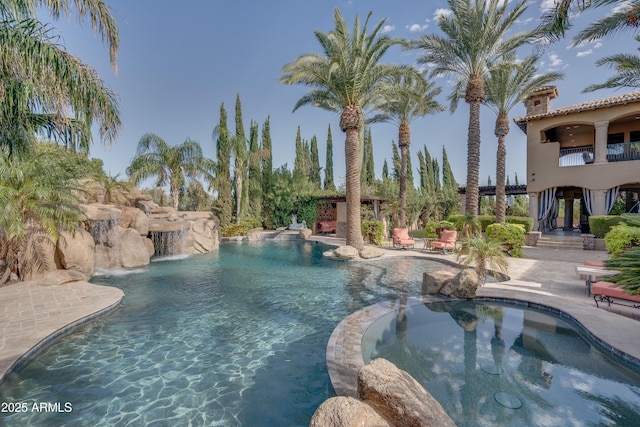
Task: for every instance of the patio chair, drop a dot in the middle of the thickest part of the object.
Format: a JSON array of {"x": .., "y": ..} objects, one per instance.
[
  {"x": 447, "y": 241},
  {"x": 401, "y": 238}
]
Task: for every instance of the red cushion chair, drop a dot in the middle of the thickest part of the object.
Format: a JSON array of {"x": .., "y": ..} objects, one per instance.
[
  {"x": 446, "y": 242},
  {"x": 401, "y": 238}
]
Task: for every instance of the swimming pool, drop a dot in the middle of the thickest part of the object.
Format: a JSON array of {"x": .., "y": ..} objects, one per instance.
[
  {"x": 492, "y": 364},
  {"x": 236, "y": 337}
]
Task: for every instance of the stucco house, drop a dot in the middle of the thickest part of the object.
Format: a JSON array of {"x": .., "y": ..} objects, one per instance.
[{"x": 588, "y": 152}]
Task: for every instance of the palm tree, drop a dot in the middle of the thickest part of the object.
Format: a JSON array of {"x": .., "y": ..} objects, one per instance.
[
  {"x": 170, "y": 165},
  {"x": 345, "y": 78},
  {"x": 506, "y": 85},
  {"x": 627, "y": 67},
  {"x": 34, "y": 208},
  {"x": 406, "y": 96},
  {"x": 41, "y": 82},
  {"x": 622, "y": 15},
  {"x": 475, "y": 36}
]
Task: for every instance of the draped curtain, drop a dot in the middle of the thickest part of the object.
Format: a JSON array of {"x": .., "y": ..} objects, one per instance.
[
  {"x": 588, "y": 200},
  {"x": 612, "y": 195},
  {"x": 547, "y": 206}
]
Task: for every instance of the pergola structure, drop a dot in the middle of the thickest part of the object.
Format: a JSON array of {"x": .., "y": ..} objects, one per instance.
[{"x": 490, "y": 190}]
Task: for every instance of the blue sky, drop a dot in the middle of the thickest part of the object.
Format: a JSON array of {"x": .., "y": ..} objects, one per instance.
[{"x": 179, "y": 61}]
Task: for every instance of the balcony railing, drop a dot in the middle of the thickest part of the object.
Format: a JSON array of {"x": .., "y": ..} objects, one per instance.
[
  {"x": 575, "y": 156},
  {"x": 621, "y": 152}
]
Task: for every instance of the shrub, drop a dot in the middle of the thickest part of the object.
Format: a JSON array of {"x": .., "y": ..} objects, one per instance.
[
  {"x": 601, "y": 224},
  {"x": 621, "y": 237},
  {"x": 510, "y": 235},
  {"x": 240, "y": 229},
  {"x": 373, "y": 232},
  {"x": 486, "y": 220},
  {"x": 525, "y": 221},
  {"x": 430, "y": 228}
]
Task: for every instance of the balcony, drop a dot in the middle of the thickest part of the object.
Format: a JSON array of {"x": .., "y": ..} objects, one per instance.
[
  {"x": 623, "y": 152},
  {"x": 575, "y": 156}
]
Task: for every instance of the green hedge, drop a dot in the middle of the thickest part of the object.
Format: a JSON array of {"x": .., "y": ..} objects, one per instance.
[
  {"x": 621, "y": 237},
  {"x": 430, "y": 228},
  {"x": 486, "y": 220},
  {"x": 373, "y": 232},
  {"x": 510, "y": 235},
  {"x": 601, "y": 224},
  {"x": 240, "y": 229}
]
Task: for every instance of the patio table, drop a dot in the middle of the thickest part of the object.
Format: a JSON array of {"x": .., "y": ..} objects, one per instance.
[{"x": 591, "y": 274}]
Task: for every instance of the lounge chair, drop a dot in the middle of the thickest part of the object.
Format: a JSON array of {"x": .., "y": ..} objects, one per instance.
[
  {"x": 447, "y": 241},
  {"x": 401, "y": 238}
]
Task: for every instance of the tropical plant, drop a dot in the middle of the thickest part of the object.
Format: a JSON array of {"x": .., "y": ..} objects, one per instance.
[
  {"x": 115, "y": 189},
  {"x": 34, "y": 208},
  {"x": 623, "y": 15},
  {"x": 173, "y": 165},
  {"x": 506, "y": 85},
  {"x": 628, "y": 265},
  {"x": 476, "y": 34},
  {"x": 627, "y": 67},
  {"x": 510, "y": 235},
  {"x": 488, "y": 257},
  {"x": 345, "y": 78},
  {"x": 406, "y": 96},
  {"x": 41, "y": 82}
]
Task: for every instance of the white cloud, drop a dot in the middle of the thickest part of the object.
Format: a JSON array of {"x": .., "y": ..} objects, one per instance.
[
  {"x": 548, "y": 4},
  {"x": 387, "y": 29},
  {"x": 439, "y": 13},
  {"x": 414, "y": 28},
  {"x": 555, "y": 62},
  {"x": 584, "y": 53}
]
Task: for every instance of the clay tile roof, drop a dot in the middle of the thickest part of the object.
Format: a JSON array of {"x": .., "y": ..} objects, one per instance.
[{"x": 585, "y": 106}]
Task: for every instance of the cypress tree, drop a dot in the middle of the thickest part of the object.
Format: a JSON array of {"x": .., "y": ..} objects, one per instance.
[
  {"x": 452, "y": 202},
  {"x": 240, "y": 170},
  {"x": 368, "y": 175},
  {"x": 410, "y": 183},
  {"x": 315, "y": 164},
  {"x": 395, "y": 161},
  {"x": 422, "y": 168},
  {"x": 254, "y": 178},
  {"x": 385, "y": 170},
  {"x": 223, "y": 206},
  {"x": 267, "y": 172},
  {"x": 299, "y": 170},
  {"x": 328, "y": 169}
]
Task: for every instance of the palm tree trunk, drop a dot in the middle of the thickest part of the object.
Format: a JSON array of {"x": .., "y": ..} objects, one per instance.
[
  {"x": 404, "y": 139},
  {"x": 474, "y": 96},
  {"x": 473, "y": 160},
  {"x": 175, "y": 195},
  {"x": 502, "y": 129},
  {"x": 349, "y": 123}
]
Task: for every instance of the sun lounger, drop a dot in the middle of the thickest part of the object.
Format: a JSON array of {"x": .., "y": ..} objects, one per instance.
[
  {"x": 447, "y": 241},
  {"x": 401, "y": 238},
  {"x": 591, "y": 274},
  {"x": 609, "y": 292}
]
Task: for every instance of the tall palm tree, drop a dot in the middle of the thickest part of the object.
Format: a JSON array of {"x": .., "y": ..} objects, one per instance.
[
  {"x": 172, "y": 165},
  {"x": 41, "y": 82},
  {"x": 405, "y": 97},
  {"x": 506, "y": 85},
  {"x": 345, "y": 78},
  {"x": 475, "y": 35}
]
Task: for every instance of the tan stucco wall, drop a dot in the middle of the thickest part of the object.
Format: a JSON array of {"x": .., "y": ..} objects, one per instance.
[{"x": 542, "y": 158}]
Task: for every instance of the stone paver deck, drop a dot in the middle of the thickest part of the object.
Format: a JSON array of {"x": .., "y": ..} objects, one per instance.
[{"x": 32, "y": 315}]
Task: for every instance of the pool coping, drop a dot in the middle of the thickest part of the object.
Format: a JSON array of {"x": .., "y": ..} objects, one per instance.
[
  {"x": 344, "y": 349},
  {"x": 33, "y": 316}
]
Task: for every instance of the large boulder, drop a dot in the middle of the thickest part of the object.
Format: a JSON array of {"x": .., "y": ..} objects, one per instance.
[
  {"x": 434, "y": 281},
  {"x": 369, "y": 252},
  {"x": 134, "y": 218},
  {"x": 204, "y": 235},
  {"x": 60, "y": 277},
  {"x": 305, "y": 233},
  {"x": 344, "y": 411},
  {"x": 100, "y": 212},
  {"x": 399, "y": 397},
  {"x": 345, "y": 252},
  {"x": 76, "y": 252},
  {"x": 463, "y": 285},
  {"x": 255, "y": 233},
  {"x": 133, "y": 250}
]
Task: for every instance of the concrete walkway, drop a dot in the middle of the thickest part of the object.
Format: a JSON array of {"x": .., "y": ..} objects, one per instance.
[{"x": 32, "y": 315}]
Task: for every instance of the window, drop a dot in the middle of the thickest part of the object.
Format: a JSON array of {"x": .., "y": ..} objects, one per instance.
[{"x": 615, "y": 138}]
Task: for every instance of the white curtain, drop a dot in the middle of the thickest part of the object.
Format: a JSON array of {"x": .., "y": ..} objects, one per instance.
[
  {"x": 588, "y": 201},
  {"x": 612, "y": 195},
  {"x": 547, "y": 201}
]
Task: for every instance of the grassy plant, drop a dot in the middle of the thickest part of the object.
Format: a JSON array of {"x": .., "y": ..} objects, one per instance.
[{"x": 487, "y": 256}]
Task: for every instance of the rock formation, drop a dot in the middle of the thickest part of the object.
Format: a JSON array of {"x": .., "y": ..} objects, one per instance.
[{"x": 461, "y": 285}]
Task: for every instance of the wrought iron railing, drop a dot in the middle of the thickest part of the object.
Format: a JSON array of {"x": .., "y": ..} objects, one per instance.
[
  {"x": 575, "y": 156},
  {"x": 621, "y": 153}
]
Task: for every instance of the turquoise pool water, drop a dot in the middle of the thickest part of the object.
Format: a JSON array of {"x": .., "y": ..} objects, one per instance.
[
  {"x": 232, "y": 338},
  {"x": 503, "y": 365}
]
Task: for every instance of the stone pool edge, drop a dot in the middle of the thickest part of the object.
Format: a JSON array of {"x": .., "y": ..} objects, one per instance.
[
  {"x": 344, "y": 349},
  {"x": 32, "y": 316}
]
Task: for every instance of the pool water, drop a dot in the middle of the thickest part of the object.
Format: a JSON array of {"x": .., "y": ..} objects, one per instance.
[
  {"x": 504, "y": 365},
  {"x": 236, "y": 337}
]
